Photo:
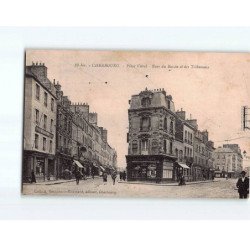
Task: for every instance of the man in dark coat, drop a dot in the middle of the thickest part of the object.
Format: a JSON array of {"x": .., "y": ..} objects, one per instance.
[
  {"x": 124, "y": 176},
  {"x": 243, "y": 186},
  {"x": 78, "y": 176},
  {"x": 33, "y": 177}
]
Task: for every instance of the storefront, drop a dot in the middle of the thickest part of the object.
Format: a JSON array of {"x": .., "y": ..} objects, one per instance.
[
  {"x": 63, "y": 163},
  {"x": 42, "y": 164},
  {"x": 182, "y": 170},
  {"x": 151, "y": 168}
]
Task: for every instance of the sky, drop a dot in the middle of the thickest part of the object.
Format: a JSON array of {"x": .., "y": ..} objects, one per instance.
[{"x": 210, "y": 87}]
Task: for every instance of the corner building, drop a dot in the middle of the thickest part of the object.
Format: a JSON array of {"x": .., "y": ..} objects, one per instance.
[{"x": 151, "y": 137}]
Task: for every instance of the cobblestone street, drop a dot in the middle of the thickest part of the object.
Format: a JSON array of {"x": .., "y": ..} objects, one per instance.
[{"x": 220, "y": 188}]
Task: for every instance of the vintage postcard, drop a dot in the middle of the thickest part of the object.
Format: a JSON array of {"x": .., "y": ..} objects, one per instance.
[{"x": 136, "y": 124}]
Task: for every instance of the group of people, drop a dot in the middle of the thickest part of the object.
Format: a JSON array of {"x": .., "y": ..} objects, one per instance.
[{"x": 123, "y": 176}]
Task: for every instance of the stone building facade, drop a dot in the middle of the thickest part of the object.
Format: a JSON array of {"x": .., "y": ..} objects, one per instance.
[
  {"x": 163, "y": 144},
  {"x": 185, "y": 133},
  {"x": 228, "y": 160},
  {"x": 151, "y": 137},
  {"x": 60, "y": 135},
  {"x": 63, "y": 133},
  {"x": 40, "y": 109}
]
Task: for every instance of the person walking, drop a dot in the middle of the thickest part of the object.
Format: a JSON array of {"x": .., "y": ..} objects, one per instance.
[
  {"x": 33, "y": 177},
  {"x": 78, "y": 176},
  {"x": 124, "y": 175},
  {"x": 121, "y": 175},
  {"x": 113, "y": 176},
  {"x": 243, "y": 185},
  {"x": 93, "y": 173},
  {"x": 104, "y": 177}
]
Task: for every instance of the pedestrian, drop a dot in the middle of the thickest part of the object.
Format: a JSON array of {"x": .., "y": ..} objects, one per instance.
[
  {"x": 93, "y": 173},
  {"x": 121, "y": 175},
  {"x": 78, "y": 176},
  {"x": 113, "y": 176},
  {"x": 33, "y": 177},
  {"x": 124, "y": 176},
  {"x": 104, "y": 177},
  {"x": 243, "y": 185}
]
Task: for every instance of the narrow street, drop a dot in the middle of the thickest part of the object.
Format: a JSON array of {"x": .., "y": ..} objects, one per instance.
[{"x": 220, "y": 188}]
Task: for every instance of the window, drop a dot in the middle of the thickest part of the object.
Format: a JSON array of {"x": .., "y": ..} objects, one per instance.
[
  {"x": 191, "y": 138},
  {"x": 51, "y": 125},
  {"x": 45, "y": 99},
  {"x": 134, "y": 147},
  {"x": 181, "y": 155},
  {"x": 145, "y": 102},
  {"x": 185, "y": 135},
  {"x": 37, "y": 116},
  {"x": 145, "y": 123},
  {"x": 165, "y": 146},
  {"x": 144, "y": 146},
  {"x": 52, "y": 104},
  {"x": 171, "y": 127},
  {"x": 167, "y": 174},
  {"x": 44, "y": 143},
  {"x": 45, "y": 122},
  {"x": 36, "y": 140},
  {"x": 50, "y": 146},
  {"x": 165, "y": 123},
  {"x": 168, "y": 104},
  {"x": 37, "y": 92},
  {"x": 171, "y": 148},
  {"x": 154, "y": 146}
]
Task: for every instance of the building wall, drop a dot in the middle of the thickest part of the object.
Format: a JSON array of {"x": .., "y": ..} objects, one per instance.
[{"x": 30, "y": 118}]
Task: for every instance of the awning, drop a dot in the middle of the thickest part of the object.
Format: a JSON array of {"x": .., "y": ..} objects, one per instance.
[
  {"x": 182, "y": 165},
  {"x": 78, "y": 164}
]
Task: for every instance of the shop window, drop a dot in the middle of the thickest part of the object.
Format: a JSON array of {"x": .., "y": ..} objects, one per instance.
[
  {"x": 167, "y": 174},
  {"x": 36, "y": 140},
  {"x": 37, "y": 92}
]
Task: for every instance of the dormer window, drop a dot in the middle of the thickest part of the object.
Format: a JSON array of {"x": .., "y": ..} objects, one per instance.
[{"x": 145, "y": 102}]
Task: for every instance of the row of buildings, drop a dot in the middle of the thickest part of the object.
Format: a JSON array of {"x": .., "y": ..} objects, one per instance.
[
  {"x": 60, "y": 135},
  {"x": 163, "y": 144}
]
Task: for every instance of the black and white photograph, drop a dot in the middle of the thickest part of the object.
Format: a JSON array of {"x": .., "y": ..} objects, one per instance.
[{"x": 136, "y": 124}]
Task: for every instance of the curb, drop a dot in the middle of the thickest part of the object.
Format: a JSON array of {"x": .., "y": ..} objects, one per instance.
[{"x": 167, "y": 184}]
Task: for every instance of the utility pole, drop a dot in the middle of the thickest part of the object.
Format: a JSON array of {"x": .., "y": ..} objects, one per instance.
[{"x": 244, "y": 115}]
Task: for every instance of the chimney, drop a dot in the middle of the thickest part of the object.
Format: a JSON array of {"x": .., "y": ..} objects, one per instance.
[{"x": 181, "y": 114}]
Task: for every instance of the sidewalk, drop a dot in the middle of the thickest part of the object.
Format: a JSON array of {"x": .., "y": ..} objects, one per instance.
[
  {"x": 57, "y": 181},
  {"x": 165, "y": 184}
]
